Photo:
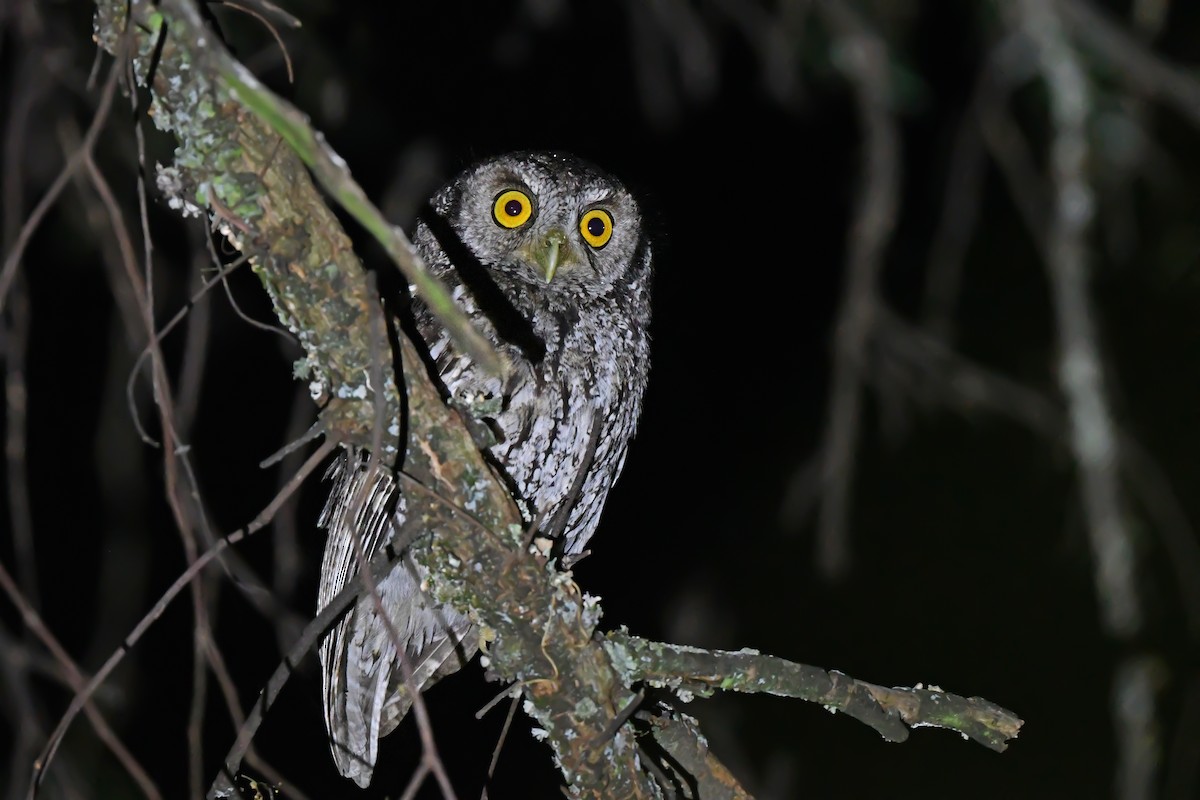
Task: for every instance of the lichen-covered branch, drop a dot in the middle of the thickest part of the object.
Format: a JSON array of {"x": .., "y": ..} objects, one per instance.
[
  {"x": 238, "y": 159},
  {"x": 680, "y": 738},
  {"x": 260, "y": 192},
  {"x": 889, "y": 711},
  {"x": 261, "y": 195},
  {"x": 242, "y": 153}
]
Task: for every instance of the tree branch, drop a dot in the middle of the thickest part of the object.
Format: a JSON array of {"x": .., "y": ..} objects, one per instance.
[
  {"x": 238, "y": 156},
  {"x": 888, "y": 711},
  {"x": 1080, "y": 369}
]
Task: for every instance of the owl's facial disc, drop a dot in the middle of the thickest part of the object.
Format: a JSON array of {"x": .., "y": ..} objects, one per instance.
[{"x": 549, "y": 222}]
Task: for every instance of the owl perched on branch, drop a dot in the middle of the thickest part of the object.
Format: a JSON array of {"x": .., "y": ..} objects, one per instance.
[{"x": 548, "y": 256}]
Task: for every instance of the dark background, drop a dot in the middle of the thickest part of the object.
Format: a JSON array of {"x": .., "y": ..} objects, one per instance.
[{"x": 971, "y": 563}]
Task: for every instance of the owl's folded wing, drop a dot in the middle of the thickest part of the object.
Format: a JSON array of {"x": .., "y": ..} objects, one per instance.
[{"x": 364, "y": 691}]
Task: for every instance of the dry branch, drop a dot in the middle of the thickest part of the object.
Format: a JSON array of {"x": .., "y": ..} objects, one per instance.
[
  {"x": 242, "y": 154},
  {"x": 889, "y": 711}
]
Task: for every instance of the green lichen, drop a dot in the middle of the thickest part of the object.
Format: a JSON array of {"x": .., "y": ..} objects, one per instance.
[
  {"x": 586, "y": 708},
  {"x": 622, "y": 660}
]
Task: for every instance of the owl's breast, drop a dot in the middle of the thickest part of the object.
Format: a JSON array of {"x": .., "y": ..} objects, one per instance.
[{"x": 563, "y": 420}]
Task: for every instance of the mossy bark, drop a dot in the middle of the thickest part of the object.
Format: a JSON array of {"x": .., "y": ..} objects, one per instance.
[{"x": 244, "y": 156}]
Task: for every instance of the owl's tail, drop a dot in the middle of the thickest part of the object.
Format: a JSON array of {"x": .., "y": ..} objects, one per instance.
[{"x": 365, "y": 694}]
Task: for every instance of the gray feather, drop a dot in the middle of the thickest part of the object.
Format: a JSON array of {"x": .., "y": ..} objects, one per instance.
[{"x": 563, "y": 421}]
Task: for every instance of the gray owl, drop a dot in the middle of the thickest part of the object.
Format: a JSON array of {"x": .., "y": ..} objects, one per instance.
[{"x": 547, "y": 255}]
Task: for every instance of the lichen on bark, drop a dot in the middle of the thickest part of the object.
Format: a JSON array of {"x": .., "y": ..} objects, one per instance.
[{"x": 239, "y": 160}]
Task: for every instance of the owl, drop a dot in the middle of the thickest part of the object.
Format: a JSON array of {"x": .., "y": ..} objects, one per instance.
[{"x": 548, "y": 257}]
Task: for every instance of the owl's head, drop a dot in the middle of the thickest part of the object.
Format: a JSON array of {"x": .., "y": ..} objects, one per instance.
[{"x": 550, "y": 221}]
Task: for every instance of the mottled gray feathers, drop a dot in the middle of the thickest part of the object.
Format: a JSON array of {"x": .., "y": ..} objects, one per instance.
[{"x": 547, "y": 255}]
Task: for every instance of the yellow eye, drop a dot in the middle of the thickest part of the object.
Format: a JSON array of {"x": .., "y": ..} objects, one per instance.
[
  {"x": 596, "y": 227},
  {"x": 512, "y": 208}
]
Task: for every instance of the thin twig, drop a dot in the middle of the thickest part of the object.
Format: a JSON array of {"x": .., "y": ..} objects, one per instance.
[
  {"x": 75, "y": 678},
  {"x": 161, "y": 333},
  {"x": 380, "y": 564},
  {"x": 287, "y": 58},
  {"x": 416, "y": 781},
  {"x": 164, "y": 401},
  {"x": 185, "y": 578},
  {"x": 13, "y": 259},
  {"x": 863, "y": 57},
  {"x": 1131, "y": 61},
  {"x": 949, "y": 377},
  {"x": 29, "y": 84},
  {"x": 1008, "y": 65},
  {"x": 956, "y": 227},
  {"x": 512, "y": 710},
  {"x": 332, "y": 172},
  {"x": 195, "y": 355},
  {"x": 286, "y": 540},
  {"x": 1080, "y": 372}
]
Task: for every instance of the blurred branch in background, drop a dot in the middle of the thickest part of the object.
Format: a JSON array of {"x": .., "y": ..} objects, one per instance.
[
  {"x": 1057, "y": 212},
  {"x": 862, "y": 55},
  {"x": 1080, "y": 374}
]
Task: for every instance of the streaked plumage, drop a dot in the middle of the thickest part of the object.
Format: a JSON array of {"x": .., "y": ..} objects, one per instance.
[{"x": 548, "y": 255}]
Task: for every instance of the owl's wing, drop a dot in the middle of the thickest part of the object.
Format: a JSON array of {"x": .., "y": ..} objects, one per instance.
[{"x": 364, "y": 692}]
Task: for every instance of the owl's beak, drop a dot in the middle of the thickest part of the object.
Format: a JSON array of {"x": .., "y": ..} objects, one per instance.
[{"x": 551, "y": 253}]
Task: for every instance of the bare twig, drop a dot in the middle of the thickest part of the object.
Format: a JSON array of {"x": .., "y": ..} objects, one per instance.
[
  {"x": 1131, "y": 61},
  {"x": 1009, "y": 64},
  {"x": 971, "y": 388},
  {"x": 148, "y": 350},
  {"x": 863, "y": 57},
  {"x": 16, "y": 688},
  {"x": 287, "y": 58},
  {"x": 416, "y": 781},
  {"x": 1081, "y": 373},
  {"x": 286, "y": 548},
  {"x": 164, "y": 401},
  {"x": 377, "y": 568},
  {"x": 334, "y": 176},
  {"x": 75, "y": 678},
  {"x": 13, "y": 258},
  {"x": 960, "y": 213},
  {"x": 195, "y": 354},
  {"x": 29, "y": 85},
  {"x": 185, "y": 578},
  {"x": 508, "y": 718}
]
